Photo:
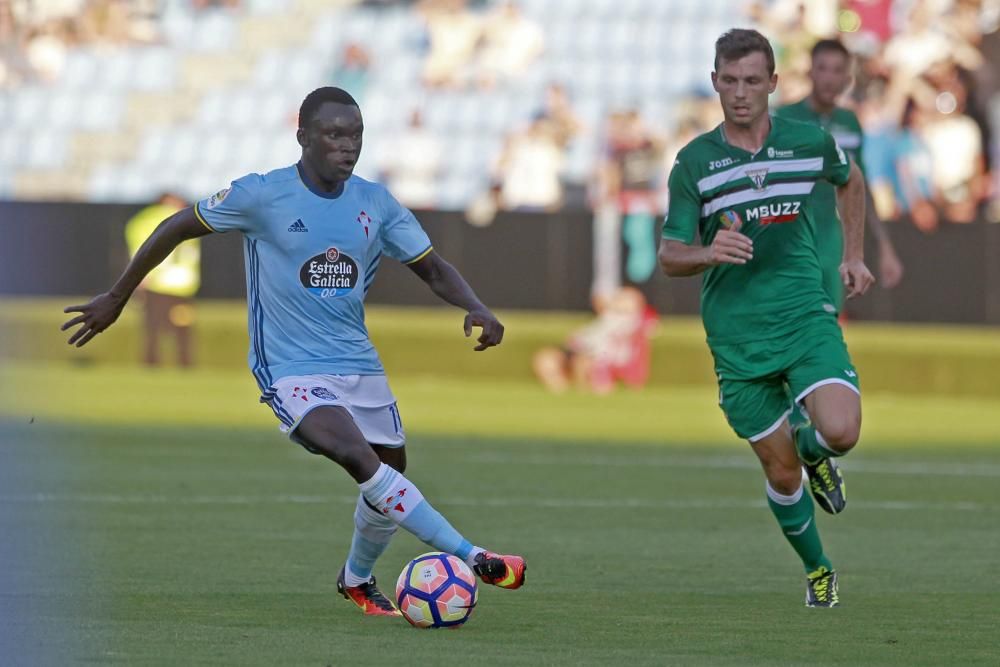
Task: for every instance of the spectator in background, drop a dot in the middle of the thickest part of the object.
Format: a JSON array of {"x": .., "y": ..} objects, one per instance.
[
  {"x": 510, "y": 43},
  {"x": 412, "y": 166},
  {"x": 353, "y": 70},
  {"x": 558, "y": 110},
  {"x": 630, "y": 176},
  {"x": 168, "y": 290},
  {"x": 453, "y": 33},
  {"x": 881, "y": 133},
  {"x": 200, "y": 5},
  {"x": 955, "y": 144},
  {"x": 115, "y": 23},
  {"x": 613, "y": 348},
  {"x": 46, "y": 50},
  {"x": 915, "y": 172},
  {"x": 14, "y": 66},
  {"x": 928, "y": 38},
  {"x": 528, "y": 170}
]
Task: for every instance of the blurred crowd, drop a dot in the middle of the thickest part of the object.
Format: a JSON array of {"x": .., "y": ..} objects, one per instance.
[
  {"x": 35, "y": 35},
  {"x": 927, "y": 90}
]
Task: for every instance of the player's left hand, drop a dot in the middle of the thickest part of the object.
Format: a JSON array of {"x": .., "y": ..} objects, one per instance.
[
  {"x": 890, "y": 269},
  {"x": 492, "y": 329},
  {"x": 856, "y": 276}
]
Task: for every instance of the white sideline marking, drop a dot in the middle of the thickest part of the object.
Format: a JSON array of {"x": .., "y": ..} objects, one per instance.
[
  {"x": 914, "y": 468},
  {"x": 550, "y": 502}
]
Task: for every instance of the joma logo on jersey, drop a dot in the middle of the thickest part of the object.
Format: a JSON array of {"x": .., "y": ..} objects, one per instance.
[
  {"x": 769, "y": 214},
  {"x": 719, "y": 164}
]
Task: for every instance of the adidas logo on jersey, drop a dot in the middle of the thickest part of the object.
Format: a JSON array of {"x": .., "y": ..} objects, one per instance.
[{"x": 298, "y": 226}]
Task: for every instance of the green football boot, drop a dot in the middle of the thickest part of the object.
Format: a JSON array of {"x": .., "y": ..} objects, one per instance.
[
  {"x": 821, "y": 588},
  {"x": 827, "y": 485}
]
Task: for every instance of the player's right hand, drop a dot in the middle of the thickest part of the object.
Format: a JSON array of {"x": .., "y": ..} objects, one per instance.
[
  {"x": 730, "y": 246},
  {"x": 96, "y": 316},
  {"x": 492, "y": 329}
]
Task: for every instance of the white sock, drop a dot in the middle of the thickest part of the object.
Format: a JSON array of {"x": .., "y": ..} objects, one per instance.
[
  {"x": 471, "y": 560},
  {"x": 350, "y": 579}
]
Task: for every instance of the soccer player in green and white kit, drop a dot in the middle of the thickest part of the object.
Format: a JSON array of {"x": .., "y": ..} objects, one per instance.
[
  {"x": 830, "y": 74},
  {"x": 740, "y": 212}
]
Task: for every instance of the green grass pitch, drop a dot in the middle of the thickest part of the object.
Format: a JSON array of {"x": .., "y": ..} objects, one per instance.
[{"x": 160, "y": 519}]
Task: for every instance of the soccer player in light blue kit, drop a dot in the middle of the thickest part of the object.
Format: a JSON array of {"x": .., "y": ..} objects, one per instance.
[{"x": 314, "y": 235}]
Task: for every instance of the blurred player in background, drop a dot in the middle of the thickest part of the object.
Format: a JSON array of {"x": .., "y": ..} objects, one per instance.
[
  {"x": 830, "y": 74},
  {"x": 168, "y": 289},
  {"x": 314, "y": 235},
  {"x": 740, "y": 212}
]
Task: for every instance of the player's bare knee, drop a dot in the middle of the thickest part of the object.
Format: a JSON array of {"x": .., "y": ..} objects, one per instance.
[
  {"x": 841, "y": 434},
  {"x": 784, "y": 479}
]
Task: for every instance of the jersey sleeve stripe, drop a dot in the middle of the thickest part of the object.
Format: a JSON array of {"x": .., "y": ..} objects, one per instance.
[
  {"x": 420, "y": 256},
  {"x": 201, "y": 219}
]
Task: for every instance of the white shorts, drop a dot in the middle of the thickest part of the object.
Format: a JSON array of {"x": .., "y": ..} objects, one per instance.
[{"x": 367, "y": 398}]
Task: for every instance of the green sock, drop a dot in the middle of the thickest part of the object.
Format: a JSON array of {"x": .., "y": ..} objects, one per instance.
[
  {"x": 811, "y": 445},
  {"x": 797, "y": 517},
  {"x": 798, "y": 416}
]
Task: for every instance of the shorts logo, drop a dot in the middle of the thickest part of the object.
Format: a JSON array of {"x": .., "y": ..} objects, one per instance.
[
  {"x": 300, "y": 392},
  {"x": 329, "y": 274},
  {"x": 757, "y": 176},
  {"x": 851, "y": 374},
  {"x": 217, "y": 198},
  {"x": 729, "y": 218},
  {"x": 323, "y": 393}
]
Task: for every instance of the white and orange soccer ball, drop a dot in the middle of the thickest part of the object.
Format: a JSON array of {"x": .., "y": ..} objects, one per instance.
[{"x": 436, "y": 590}]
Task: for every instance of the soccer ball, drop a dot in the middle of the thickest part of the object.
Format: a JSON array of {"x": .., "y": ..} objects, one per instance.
[{"x": 436, "y": 590}]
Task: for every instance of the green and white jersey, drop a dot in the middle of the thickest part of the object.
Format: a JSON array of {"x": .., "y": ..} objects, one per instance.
[
  {"x": 846, "y": 130},
  {"x": 841, "y": 123},
  {"x": 713, "y": 184}
]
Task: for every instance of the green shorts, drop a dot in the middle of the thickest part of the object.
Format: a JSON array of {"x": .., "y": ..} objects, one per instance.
[
  {"x": 833, "y": 285},
  {"x": 760, "y": 381}
]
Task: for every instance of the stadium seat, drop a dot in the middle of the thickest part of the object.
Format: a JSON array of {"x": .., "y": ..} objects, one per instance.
[{"x": 155, "y": 69}]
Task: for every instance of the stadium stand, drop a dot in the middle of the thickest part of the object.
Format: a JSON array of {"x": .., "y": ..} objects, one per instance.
[{"x": 216, "y": 95}]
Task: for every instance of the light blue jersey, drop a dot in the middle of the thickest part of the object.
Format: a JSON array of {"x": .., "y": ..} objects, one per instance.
[{"x": 311, "y": 257}]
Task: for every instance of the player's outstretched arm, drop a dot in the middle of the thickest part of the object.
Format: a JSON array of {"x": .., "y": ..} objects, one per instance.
[
  {"x": 729, "y": 246},
  {"x": 851, "y": 202},
  {"x": 104, "y": 309},
  {"x": 445, "y": 281}
]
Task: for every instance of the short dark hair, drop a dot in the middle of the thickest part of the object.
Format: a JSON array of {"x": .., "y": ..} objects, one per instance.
[
  {"x": 739, "y": 42},
  {"x": 319, "y": 97},
  {"x": 834, "y": 45}
]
